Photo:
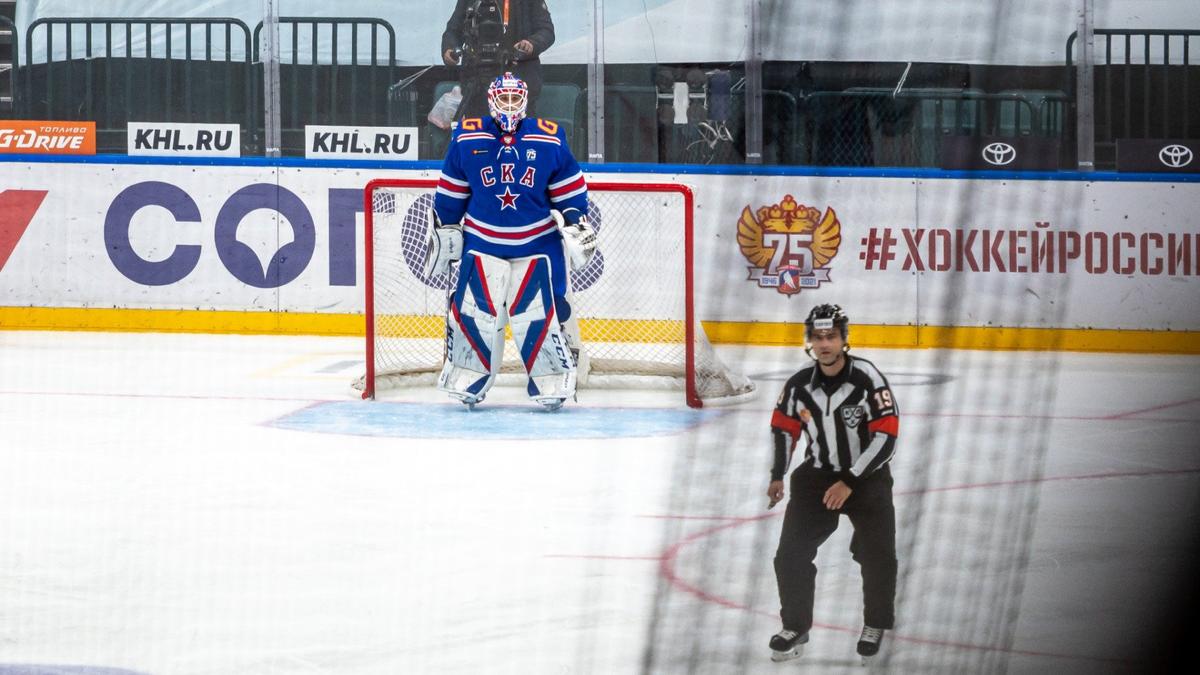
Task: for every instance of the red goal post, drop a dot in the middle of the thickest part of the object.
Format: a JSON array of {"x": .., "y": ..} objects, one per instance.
[{"x": 635, "y": 300}]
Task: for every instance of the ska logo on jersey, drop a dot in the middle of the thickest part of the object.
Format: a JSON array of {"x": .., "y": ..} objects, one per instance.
[
  {"x": 852, "y": 416},
  {"x": 487, "y": 175},
  {"x": 789, "y": 245}
]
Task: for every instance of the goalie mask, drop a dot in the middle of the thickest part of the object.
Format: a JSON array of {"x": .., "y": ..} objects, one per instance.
[{"x": 507, "y": 98}]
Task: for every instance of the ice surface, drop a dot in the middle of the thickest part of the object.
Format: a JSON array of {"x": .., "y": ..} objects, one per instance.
[{"x": 225, "y": 504}]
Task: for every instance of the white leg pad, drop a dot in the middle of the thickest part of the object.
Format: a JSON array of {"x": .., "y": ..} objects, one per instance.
[
  {"x": 570, "y": 329},
  {"x": 475, "y": 329},
  {"x": 539, "y": 338}
]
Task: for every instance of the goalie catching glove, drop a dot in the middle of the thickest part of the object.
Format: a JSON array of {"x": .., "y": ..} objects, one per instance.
[
  {"x": 445, "y": 246},
  {"x": 578, "y": 236}
]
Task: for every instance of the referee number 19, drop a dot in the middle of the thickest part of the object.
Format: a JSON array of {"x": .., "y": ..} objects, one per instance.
[{"x": 883, "y": 399}]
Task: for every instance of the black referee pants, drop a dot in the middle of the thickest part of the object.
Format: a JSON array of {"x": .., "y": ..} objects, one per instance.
[{"x": 807, "y": 524}]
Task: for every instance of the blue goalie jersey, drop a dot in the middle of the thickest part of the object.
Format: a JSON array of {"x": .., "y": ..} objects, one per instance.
[{"x": 501, "y": 187}]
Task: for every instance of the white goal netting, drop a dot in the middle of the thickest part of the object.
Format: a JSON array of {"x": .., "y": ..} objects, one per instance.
[{"x": 634, "y": 300}]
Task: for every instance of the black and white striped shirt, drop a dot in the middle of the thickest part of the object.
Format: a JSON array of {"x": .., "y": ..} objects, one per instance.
[{"x": 851, "y": 420}]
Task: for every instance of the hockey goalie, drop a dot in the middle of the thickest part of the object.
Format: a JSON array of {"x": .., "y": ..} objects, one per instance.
[{"x": 504, "y": 182}]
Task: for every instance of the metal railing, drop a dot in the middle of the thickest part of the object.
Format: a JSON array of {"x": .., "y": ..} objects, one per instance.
[
  {"x": 340, "y": 71},
  {"x": 1140, "y": 93},
  {"x": 327, "y": 92},
  {"x": 880, "y": 127},
  {"x": 139, "y": 84},
  {"x": 9, "y": 70}
]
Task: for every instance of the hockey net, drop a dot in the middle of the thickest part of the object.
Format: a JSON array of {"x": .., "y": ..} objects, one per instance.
[{"x": 634, "y": 299}]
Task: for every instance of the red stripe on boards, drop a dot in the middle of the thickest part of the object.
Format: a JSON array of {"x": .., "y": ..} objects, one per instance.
[{"x": 17, "y": 208}]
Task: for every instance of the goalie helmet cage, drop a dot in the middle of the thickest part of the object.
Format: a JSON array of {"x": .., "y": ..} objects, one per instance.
[{"x": 635, "y": 300}]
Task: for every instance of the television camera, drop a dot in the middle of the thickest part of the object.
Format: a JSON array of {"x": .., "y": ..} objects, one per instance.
[{"x": 486, "y": 36}]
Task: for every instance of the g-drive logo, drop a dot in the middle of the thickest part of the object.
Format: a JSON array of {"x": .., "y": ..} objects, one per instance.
[
  {"x": 47, "y": 137},
  {"x": 238, "y": 258}
]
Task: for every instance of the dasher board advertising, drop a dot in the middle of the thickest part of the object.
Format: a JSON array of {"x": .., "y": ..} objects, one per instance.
[
  {"x": 181, "y": 139},
  {"x": 1158, "y": 155},
  {"x": 1119, "y": 255},
  {"x": 41, "y": 137},
  {"x": 337, "y": 142}
]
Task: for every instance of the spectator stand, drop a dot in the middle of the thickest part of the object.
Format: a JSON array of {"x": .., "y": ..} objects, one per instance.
[{"x": 110, "y": 72}]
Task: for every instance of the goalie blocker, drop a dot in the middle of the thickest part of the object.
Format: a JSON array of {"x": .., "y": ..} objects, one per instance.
[
  {"x": 445, "y": 245},
  {"x": 490, "y": 294}
]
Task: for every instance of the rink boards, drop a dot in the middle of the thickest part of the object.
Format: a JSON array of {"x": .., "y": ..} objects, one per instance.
[{"x": 919, "y": 258}]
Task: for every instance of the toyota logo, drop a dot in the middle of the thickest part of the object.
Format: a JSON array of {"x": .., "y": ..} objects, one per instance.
[
  {"x": 999, "y": 154},
  {"x": 1175, "y": 156}
]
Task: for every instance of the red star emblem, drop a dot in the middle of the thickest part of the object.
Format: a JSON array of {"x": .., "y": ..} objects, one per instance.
[{"x": 508, "y": 200}]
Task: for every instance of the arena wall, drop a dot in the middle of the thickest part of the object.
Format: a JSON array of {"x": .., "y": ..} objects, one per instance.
[
  {"x": 681, "y": 31},
  {"x": 924, "y": 258}
]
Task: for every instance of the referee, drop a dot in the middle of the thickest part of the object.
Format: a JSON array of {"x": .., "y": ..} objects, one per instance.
[{"x": 844, "y": 405}]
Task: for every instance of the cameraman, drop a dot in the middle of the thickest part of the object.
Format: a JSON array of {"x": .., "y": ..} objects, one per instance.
[{"x": 489, "y": 37}]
